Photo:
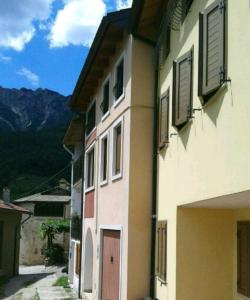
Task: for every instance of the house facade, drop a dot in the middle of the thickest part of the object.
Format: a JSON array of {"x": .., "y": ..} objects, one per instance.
[
  {"x": 114, "y": 95},
  {"x": 203, "y": 158},
  {"x": 52, "y": 204}
]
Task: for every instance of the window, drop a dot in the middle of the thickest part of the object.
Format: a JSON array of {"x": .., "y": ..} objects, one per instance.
[
  {"x": 212, "y": 71},
  {"x": 53, "y": 209},
  {"x": 182, "y": 90},
  {"x": 119, "y": 78},
  {"x": 105, "y": 99},
  {"x": 243, "y": 258},
  {"x": 161, "y": 262},
  {"x": 90, "y": 166},
  {"x": 164, "y": 119},
  {"x": 117, "y": 150},
  {"x": 104, "y": 159},
  {"x": 78, "y": 259},
  {"x": 90, "y": 119}
]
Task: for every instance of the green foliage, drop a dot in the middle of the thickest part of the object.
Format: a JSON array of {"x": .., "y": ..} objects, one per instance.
[
  {"x": 62, "y": 281},
  {"x": 54, "y": 254},
  {"x": 29, "y": 158}
]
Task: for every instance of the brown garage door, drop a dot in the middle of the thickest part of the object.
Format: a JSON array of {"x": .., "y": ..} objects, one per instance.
[{"x": 110, "y": 264}]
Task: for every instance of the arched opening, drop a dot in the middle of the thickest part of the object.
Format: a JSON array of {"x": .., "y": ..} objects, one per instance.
[{"x": 88, "y": 263}]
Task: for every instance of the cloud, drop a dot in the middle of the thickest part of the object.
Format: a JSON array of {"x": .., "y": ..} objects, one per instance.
[
  {"x": 17, "y": 21},
  {"x": 29, "y": 75},
  {"x": 76, "y": 23},
  {"x": 121, "y": 4},
  {"x": 5, "y": 59}
]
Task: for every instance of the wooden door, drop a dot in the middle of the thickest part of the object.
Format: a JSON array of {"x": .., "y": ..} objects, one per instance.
[{"x": 110, "y": 265}]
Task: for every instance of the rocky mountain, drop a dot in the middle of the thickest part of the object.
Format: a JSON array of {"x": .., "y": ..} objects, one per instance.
[{"x": 24, "y": 109}]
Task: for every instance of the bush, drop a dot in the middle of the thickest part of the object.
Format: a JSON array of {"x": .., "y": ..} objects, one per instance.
[{"x": 54, "y": 254}]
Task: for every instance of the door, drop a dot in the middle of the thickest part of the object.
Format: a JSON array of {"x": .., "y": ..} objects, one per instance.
[{"x": 110, "y": 265}]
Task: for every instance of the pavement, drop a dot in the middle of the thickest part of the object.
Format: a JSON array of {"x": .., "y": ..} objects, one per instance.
[{"x": 36, "y": 283}]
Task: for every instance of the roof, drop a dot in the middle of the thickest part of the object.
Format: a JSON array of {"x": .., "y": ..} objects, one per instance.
[
  {"x": 109, "y": 34},
  {"x": 13, "y": 207},
  {"x": 43, "y": 198},
  {"x": 74, "y": 133}
]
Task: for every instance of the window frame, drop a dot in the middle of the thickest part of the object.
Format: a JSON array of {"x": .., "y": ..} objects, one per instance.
[
  {"x": 93, "y": 102},
  {"x": 161, "y": 252},
  {"x": 105, "y": 135},
  {"x": 118, "y": 122},
  {"x": 90, "y": 149},
  {"x": 108, "y": 79},
  {"x": 117, "y": 101}
]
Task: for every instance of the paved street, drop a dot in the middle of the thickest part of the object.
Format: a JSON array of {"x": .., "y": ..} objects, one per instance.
[{"x": 36, "y": 283}]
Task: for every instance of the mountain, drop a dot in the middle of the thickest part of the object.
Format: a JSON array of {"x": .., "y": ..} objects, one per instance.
[
  {"x": 32, "y": 126},
  {"x": 24, "y": 109}
]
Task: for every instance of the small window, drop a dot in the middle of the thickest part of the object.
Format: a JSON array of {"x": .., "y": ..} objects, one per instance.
[
  {"x": 212, "y": 71},
  {"x": 117, "y": 150},
  {"x": 182, "y": 90},
  {"x": 90, "y": 119},
  {"x": 164, "y": 120},
  {"x": 119, "y": 80},
  {"x": 161, "y": 261},
  {"x": 243, "y": 258},
  {"x": 90, "y": 166},
  {"x": 51, "y": 209},
  {"x": 105, "y": 99},
  {"x": 104, "y": 160},
  {"x": 78, "y": 259}
]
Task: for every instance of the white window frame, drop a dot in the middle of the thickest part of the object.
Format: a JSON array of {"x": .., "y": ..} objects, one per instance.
[
  {"x": 108, "y": 78},
  {"x": 90, "y": 148},
  {"x": 116, "y": 102},
  {"x": 118, "y": 122},
  {"x": 105, "y": 135},
  {"x": 91, "y": 104}
]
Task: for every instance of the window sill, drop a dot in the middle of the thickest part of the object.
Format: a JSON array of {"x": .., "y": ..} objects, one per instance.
[
  {"x": 103, "y": 183},
  {"x": 119, "y": 100},
  {"x": 89, "y": 189},
  {"x": 104, "y": 117},
  {"x": 116, "y": 177}
]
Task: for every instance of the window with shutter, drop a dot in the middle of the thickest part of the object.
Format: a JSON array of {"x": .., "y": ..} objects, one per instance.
[
  {"x": 90, "y": 167},
  {"x": 119, "y": 80},
  {"x": 90, "y": 119},
  {"x": 243, "y": 258},
  {"x": 104, "y": 159},
  {"x": 117, "y": 147},
  {"x": 212, "y": 49},
  {"x": 182, "y": 90},
  {"x": 161, "y": 261},
  {"x": 164, "y": 119},
  {"x": 105, "y": 100}
]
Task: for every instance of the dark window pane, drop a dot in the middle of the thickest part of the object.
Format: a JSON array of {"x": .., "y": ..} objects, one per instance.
[
  {"x": 119, "y": 80},
  {"x": 90, "y": 119},
  {"x": 118, "y": 149},
  {"x": 49, "y": 209},
  {"x": 90, "y": 168},
  {"x": 105, "y": 101},
  {"x": 104, "y": 158}
]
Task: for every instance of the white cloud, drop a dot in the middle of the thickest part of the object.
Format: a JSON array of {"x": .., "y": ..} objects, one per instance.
[
  {"x": 17, "y": 21},
  {"x": 5, "y": 59},
  {"x": 29, "y": 75},
  {"x": 121, "y": 4},
  {"x": 76, "y": 23}
]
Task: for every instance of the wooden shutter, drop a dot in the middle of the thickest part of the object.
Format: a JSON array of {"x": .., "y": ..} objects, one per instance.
[
  {"x": 243, "y": 258},
  {"x": 78, "y": 258},
  {"x": 182, "y": 90},
  {"x": 213, "y": 47},
  {"x": 164, "y": 119},
  {"x": 161, "y": 262}
]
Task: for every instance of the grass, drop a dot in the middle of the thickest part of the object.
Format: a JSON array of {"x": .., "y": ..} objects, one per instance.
[{"x": 62, "y": 281}]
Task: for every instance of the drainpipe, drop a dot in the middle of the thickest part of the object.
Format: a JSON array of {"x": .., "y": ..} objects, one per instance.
[
  {"x": 154, "y": 176},
  {"x": 83, "y": 115}
]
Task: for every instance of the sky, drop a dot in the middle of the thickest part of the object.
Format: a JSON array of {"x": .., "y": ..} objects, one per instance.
[{"x": 44, "y": 43}]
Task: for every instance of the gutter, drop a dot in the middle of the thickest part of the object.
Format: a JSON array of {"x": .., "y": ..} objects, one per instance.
[
  {"x": 154, "y": 176},
  {"x": 83, "y": 115}
]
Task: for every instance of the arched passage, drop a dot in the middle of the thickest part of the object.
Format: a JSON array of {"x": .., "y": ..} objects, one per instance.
[{"x": 88, "y": 263}]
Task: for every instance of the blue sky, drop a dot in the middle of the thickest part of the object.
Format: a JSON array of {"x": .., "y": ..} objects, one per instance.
[{"x": 44, "y": 43}]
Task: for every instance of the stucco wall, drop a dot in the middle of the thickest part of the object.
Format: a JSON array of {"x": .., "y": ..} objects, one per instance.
[{"x": 10, "y": 243}]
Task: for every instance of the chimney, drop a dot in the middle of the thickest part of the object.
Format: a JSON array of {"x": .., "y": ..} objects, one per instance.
[{"x": 6, "y": 194}]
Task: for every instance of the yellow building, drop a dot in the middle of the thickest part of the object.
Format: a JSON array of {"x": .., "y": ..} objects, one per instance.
[{"x": 203, "y": 157}]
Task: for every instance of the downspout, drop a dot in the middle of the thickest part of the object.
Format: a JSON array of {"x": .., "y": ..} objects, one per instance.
[
  {"x": 154, "y": 175},
  {"x": 83, "y": 115}
]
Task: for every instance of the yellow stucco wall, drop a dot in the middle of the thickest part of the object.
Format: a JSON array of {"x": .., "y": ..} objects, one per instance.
[{"x": 208, "y": 158}]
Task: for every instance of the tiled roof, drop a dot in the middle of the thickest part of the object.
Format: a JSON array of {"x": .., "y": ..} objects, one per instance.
[
  {"x": 13, "y": 207},
  {"x": 43, "y": 198}
]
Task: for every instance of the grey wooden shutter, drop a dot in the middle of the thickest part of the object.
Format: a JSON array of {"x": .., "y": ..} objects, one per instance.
[
  {"x": 164, "y": 119},
  {"x": 200, "y": 59},
  {"x": 182, "y": 90},
  {"x": 213, "y": 73},
  {"x": 161, "y": 263},
  {"x": 243, "y": 258}
]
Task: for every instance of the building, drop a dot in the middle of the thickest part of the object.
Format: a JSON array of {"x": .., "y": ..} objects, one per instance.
[
  {"x": 114, "y": 95},
  {"x": 51, "y": 204},
  {"x": 10, "y": 224},
  {"x": 203, "y": 157},
  {"x": 72, "y": 142}
]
